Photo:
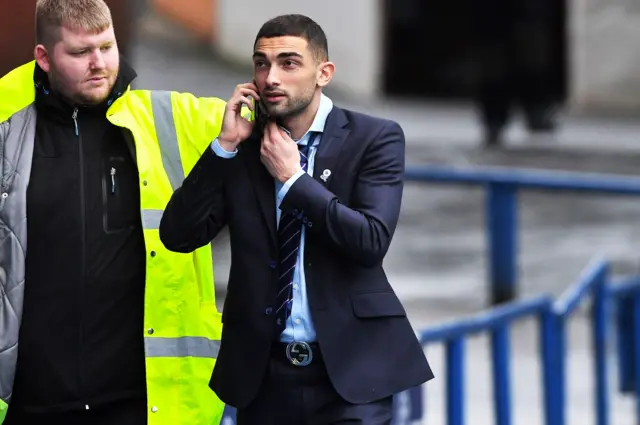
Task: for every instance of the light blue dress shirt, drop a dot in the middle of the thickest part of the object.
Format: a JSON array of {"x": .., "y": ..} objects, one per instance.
[{"x": 300, "y": 324}]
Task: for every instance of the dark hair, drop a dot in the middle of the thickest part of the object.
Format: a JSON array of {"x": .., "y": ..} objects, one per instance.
[{"x": 297, "y": 26}]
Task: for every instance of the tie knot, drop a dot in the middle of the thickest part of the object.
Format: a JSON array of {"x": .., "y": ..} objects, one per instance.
[
  {"x": 304, "y": 150},
  {"x": 310, "y": 139}
]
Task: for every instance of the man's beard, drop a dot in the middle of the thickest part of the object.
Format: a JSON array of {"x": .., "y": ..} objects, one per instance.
[
  {"x": 291, "y": 108},
  {"x": 79, "y": 97}
]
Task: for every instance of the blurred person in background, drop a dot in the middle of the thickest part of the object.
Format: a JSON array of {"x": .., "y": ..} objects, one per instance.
[
  {"x": 515, "y": 49},
  {"x": 100, "y": 324},
  {"x": 313, "y": 331}
]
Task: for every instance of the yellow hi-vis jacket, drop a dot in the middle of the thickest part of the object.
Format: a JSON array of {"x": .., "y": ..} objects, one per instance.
[{"x": 182, "y": 326}]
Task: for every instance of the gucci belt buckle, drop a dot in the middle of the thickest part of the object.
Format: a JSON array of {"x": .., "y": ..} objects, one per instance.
[{"x": 299, "y": 353}]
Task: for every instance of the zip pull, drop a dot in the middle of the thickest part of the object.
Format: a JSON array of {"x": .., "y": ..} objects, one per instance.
[
  {"x": 75, "y": 121},
  {"x": 113, "y": 180}
]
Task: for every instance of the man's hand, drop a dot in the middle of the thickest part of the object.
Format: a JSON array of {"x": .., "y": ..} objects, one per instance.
[
  {"x": 279, "y": 153},
  {"x": 236, "y": 128}
]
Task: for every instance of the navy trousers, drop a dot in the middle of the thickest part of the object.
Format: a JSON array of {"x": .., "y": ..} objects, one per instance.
[{"x": 304, "y": 395}]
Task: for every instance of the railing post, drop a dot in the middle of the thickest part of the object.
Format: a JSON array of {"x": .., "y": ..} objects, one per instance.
[
  {"x": 636, "y": 351},
  {"x": 599, "y": 340},
  {"x": 455, "y": 381},
  {"x": 624, "y": 341},
  {"x": 553, "y": 367},
  {"x": 500, "y": 348},
  {"x": 501, "y": 217},
  {"x": 228, "y": 415}
]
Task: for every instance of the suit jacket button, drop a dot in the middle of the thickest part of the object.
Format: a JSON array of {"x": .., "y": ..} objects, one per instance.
[
  {"x": 268, "y": 311},
  {"x": 273, "y": 264},
  {"x": 309, "y": 224}
]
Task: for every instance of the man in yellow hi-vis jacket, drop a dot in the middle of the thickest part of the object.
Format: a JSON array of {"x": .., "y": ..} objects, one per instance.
[{"x": 99, "y": 323}]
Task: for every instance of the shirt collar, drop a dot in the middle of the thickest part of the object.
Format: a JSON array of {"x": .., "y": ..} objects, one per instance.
[{"x": 326, "y": 105}]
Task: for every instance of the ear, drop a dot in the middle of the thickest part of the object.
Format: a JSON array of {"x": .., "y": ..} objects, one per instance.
[
  {"x": 42, "y": 57},
  {"x": 325, "y": 73}
]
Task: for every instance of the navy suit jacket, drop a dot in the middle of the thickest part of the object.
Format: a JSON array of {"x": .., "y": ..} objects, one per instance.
[{"x": 369, "y": 348}]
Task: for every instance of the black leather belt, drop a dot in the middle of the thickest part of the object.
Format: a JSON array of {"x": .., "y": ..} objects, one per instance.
[{"x": 298, "y": 353}]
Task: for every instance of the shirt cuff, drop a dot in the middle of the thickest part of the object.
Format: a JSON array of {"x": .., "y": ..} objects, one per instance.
[
  {"x": 220, "y": 151},
  {"x": 287, "y": 185}
]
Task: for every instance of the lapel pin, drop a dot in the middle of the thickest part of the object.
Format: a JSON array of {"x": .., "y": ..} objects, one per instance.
[{"x": 325, "y": 175}]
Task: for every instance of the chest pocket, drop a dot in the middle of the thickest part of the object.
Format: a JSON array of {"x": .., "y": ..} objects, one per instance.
[{"x": 120, "y": 194}]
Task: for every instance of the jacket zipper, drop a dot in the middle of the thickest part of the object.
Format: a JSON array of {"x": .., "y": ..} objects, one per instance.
[
  {"x": 83, "y": 253},
  {"x": 113, "y": 180},
  {"x": 4, "y": 186}
]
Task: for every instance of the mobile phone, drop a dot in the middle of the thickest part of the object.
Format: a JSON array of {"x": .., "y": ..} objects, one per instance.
[{"x": 260, "y": 113}]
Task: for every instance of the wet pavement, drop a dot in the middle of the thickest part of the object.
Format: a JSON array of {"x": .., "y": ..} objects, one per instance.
[{"x": 437, "y": 262}]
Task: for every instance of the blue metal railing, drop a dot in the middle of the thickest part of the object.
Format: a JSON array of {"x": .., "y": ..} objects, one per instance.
[
  {"x": 626, "y": 294},
  {"x": 453, "y": 335},
  {"x": 593, "y": 284},
  {"x": 502, "y": 185},
  {"x": 607, "y": 296}
]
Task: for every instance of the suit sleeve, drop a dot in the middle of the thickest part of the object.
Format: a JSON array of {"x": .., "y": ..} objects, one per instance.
[
  {"x": 195, "y": 213},
  {"x": 363, "y": 230}
]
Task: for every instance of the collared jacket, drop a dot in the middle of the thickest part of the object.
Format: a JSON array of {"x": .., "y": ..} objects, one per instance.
[{"x": 182, "y": 326}]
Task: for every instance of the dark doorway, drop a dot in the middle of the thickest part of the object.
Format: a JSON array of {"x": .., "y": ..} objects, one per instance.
[{"x": 443, "y": 49}]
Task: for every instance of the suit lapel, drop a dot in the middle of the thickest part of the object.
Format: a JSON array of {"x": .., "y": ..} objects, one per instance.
[
  {"x": 263, "y": 183},
  {"x": 334, "y": 136}
]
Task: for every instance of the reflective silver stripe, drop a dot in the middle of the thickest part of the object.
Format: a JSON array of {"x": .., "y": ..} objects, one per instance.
[
  {"x": 151, "y": 219},
  {"x": 187, "y": 346},
  {"x": 167, "y": 136},
  {"x": 16, "y": 155}
]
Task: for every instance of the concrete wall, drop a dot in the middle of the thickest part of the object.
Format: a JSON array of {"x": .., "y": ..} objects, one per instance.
[
  {"x": 353, "y": 28},
  {"x": 605, "y": 55},
  {"x": 604, "y": 44},
  {"x": 198, "y": 16}
]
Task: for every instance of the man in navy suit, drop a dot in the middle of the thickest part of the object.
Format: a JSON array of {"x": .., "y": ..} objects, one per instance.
[{"x": 313, "y": 332}]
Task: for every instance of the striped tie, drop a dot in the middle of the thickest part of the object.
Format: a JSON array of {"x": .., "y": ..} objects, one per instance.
[{"x": 289, "y": 234}]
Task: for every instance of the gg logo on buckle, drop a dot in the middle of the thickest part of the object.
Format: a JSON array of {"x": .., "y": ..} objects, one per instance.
[{"x": 299, "y": 353}]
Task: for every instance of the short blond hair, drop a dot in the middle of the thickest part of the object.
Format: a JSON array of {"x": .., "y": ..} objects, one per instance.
[{"x": 88, "y": 15}]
